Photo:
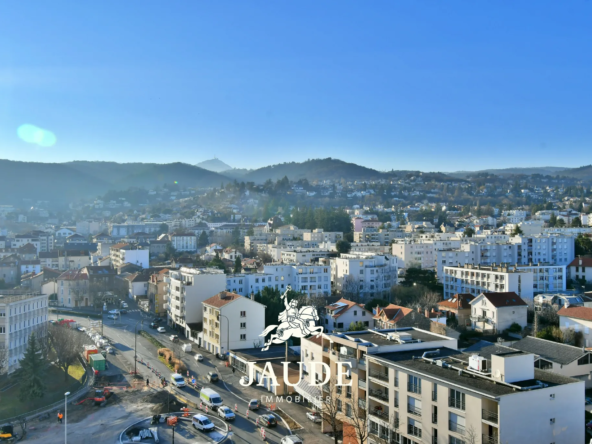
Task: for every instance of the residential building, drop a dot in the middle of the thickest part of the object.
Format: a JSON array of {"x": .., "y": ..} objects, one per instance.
[
  {"x": 554, "y": 249},
  {"x": 340, "y": 315},
  {"x": 187, "y": 288},
  {"x": 477, "y": 279},
  {"x": 498, "y": 311},
  {"x": 101, "y": 283},
  {"x": 137, "y": 284},
  {"x": 319, "y": 235},
  {"x": 364, "y": 273},
  {"x": 231, "y": 254},
  {"x": 157, "y": 291},
  {"x": 302, "y": 255},
  {"x": 21, "y": 313},
  {"x": 73, "y": 289},
  {"x": 184, "y": 242},
  {"x": 581, "y": 269},
  {"x": 30, "y": 266},
  {"x": 458, "y": 306},
  {"x": 122, "y": 230},
  {"x": 65, "y": 260},
  {"x": 23, "y": 239},
  {"x": 128, "y": 253},
  {"x": 578, "y": 319},
  {"x": 225, "y": 310},
  {"x": 9, "y": 269}
]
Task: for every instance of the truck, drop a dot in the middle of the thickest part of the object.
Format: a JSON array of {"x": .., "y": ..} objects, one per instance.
[{"x": 210, "y": 398}]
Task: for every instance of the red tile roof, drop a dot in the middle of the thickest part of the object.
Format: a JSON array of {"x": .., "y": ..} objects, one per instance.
[
  {"x": 222, "y": 298},
  {"x": 584, "y": 313},
  {"x": 338, "y": 310},
  {"x": 458, "y": 301},
  {"x": 504, "y": 299},
  {"x": 585, "y": 262},
  {"x": 394, "y": 313},
  {"x": 73, "y": 275}
]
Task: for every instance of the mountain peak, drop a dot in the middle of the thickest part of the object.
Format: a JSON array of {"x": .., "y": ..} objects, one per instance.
[{"x": 215, "y": 165}]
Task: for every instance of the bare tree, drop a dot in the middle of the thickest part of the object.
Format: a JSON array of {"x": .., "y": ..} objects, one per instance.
[
  {"x": 385, "y": 435},
  {"x": 350, "y": 288},
  {"x": 471, "y": 435},
  {"x": 428, "y": 300},
  {"x": 3, "y": 359},
  {"x": 67, "y": 345},
  {"x": 332, "y": 407},
  {"x": 358, "y": 421}
]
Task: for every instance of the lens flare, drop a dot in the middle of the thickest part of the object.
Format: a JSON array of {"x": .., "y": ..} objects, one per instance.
[{"x": 33, "y": 134}]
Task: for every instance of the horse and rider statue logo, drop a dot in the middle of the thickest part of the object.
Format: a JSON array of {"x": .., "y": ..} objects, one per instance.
[{"x": 294, "y": 323}]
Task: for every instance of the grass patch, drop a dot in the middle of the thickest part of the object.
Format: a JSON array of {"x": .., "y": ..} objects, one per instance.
[
  {"x": 10, "y": 405},
  {"x": 152, "y": 339},
  {"x": 165, "y": 362}
]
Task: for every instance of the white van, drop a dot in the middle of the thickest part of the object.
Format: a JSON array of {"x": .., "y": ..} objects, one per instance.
[
  {"x": 210, "y": 398},
  {"x": 177, "y": 380},
  {"x": 201, "y": 422}
]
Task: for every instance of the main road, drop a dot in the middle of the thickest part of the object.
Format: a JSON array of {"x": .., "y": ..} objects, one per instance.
[{"x": 120, "y": 333}]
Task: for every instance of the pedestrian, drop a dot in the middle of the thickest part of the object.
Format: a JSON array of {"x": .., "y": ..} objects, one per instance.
[
  {"x": 147, "y": 382},
  {"x": 60, "y": 417},
  {"x": 232, "y": 369}
]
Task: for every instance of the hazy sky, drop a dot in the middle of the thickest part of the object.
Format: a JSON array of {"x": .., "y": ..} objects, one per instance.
[{"x": 395, "y": 84}]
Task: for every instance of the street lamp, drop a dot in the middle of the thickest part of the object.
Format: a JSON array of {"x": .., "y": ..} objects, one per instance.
[
  {"x": 66, "y": 417},
  {"x": 227, "y": 334},
  {"x": 136, "y": 345}
]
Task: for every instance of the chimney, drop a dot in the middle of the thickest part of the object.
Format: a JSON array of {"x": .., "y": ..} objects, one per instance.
[
  {"x": 427, "y": 313},
  {"x": 566, "y": 305}
]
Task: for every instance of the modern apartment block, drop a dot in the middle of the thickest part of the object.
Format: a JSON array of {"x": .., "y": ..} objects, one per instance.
[
  {"x": 310, "y": 279},
  {"x": 553, "y": 249},
  {"x": 477, "y": 279},
  {"x": 21, "y": 314},
  {"x": 370, "y": 275},
  {"x": 416, "y": 387},
  {"x": 123, "y": 253},
  {"x": 319, "y": 235},
  {"x": 186, "y": 289}
]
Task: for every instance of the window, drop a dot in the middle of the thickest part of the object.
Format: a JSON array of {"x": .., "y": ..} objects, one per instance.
[
  {"x": 339, "y": 405},
  {"x": 243, "y": 325},
  {"x": 583, "y": 360},
  {"x": 414, "y": 427},
  {"x": 414, "y": 385},
  {"x": 414, "y": 406},
  {"x": 348, "y": 410},
  {"x": 243, "y": 314},
  {"x": 456, "y": 400},
  {"x": 243, "y": 337},
  {"x": 355, "y": 312},
  {"x": 2, "y": 330},
  {"x": 545, "y": 365},
  {"x": 455, "y": 440}
]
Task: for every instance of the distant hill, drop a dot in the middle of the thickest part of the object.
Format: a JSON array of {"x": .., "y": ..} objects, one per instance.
[
  {"x": 315, "y": 169},
  {"x": 215, "y": 165},
  {"x": 65, "y": 182},
  {"x": 584, "y": 172},
  {"x": 546, "y": 171}
]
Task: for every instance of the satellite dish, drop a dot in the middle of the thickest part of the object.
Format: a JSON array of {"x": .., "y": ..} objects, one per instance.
[{"x": 498, "y": 374}]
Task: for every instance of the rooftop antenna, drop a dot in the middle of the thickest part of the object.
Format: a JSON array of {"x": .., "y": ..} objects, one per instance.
[{"x": 500, "y": 340}]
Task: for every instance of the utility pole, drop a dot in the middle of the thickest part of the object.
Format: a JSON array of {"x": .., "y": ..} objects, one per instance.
[{"x": 136, "y": 346}]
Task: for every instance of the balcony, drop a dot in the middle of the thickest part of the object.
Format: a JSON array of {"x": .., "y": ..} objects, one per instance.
[
  {"x": 381, "y": 376},
  {"x": 490, "y": 439},
  {"x": 489, "y": 416},
  {"x": 456, "y": 403},
  {"x": 413, "y": 430},
  {"x": 380, "y": 412},
  {"x": 362, "y": 404},
  {"x": 476, "y": 318},
  {"x": 413, "y": 410},
  {"x": 380, "y": 395},
  {"x": 362, "y": 384},
  {"x": 434, "y": 418},
  {"x": 414, "y": 388},
  {"x": 456, "y": 427}
]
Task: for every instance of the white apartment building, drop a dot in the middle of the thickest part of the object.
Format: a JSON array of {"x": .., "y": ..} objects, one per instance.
[
  {"x": 24, "y": 239},
  {"x": 123, "y": 253},
  {"x": 73, "y": 289},
  {"x": 378, "y": 235},
  {"x": 65, "y": 260},
  {"x": 498, "y": 311},
  {"x": 122, "y": 230},
  {"x": 478, "y": 279},
  {"x": 416, "y": 387},
  {"x": 319, "y": 235},
  {"x": 20, "y": 315},
  {"x": 373, "y": 275},
  {"x": 186, "y": 289},
  {"x": 310, "y": 279},
  {"x": 578, "y": 319},
  {"x": 581, "y": 268},
  {"x": 515, "y": 216},
  {"x": 302, "y": 256},
  {"x": 551, "y": 249},
  {"x": 421, "y": 251},
  {"x": 547, "y": 278},
  {"x": 184, "y": 242},
  {"x": 232, "y": 322}
]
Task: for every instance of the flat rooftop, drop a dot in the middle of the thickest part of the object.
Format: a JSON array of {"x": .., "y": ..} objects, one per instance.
[
  {"x": 412, "y": 361},
  {"x": 274, "y": 353},
  {"x": 380, "y": 338}
]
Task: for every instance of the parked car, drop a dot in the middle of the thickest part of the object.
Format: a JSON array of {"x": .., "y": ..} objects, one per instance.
[
  {"x": 123, "y": 311},
  {"x": 161, "y": 329},
  {"x": 114, "y": 312},
  {"x": 153, "y": 325},
  {"x": 201, "y": 422},
  {"x": 226, "y": 413},
  {"x": 314, "y": 416},
  {"x": 198, "y": 357},
  {"x": 110, "y": 350},
  {"x": 212, "y": 376},
  {"x": 157, "y": 320},
  {"x": 124, "y": 304},
  {"x": 174, "y": 338},
  {"x": 268, "y": 420},
  {"x": 113, "y": 317},
  {"x": 291, "y": 439},
  {"x": 254, "y": 404}
]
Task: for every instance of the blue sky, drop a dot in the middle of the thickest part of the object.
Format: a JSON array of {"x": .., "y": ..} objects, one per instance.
[{"x": 398, "y": 84}]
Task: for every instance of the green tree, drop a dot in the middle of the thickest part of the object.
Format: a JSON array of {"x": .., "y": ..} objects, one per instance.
[
  {"x": 236, "y": 237},
  {"x": 357, "y": 326},
  {"x": 583, "y": 245},
  {"x": 560, "y": 223},
  {"x": 576, "y": 222},
  {"x": 31, "y": 374},
  {"x": 163, "y": 228},
  {"x": 203, "y": 239},
  {"x": 250, "y": 232},
  {"x": 217, "y": 263},
  {"x": 553, "y": 220},
  {"x": 343, "y": 246},
  {"x": 517, "y": 231},
  {"x": 374, "y": 303},
  {"x": 238, "y": 266},
  {"x": 469, "y": 232}
]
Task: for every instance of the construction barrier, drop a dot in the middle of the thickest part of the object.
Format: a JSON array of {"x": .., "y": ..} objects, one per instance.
[
  {"x": 247, "y": 415},
  {"x": 263, "y": 433},
  {"x": 236, "y": 408}
]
